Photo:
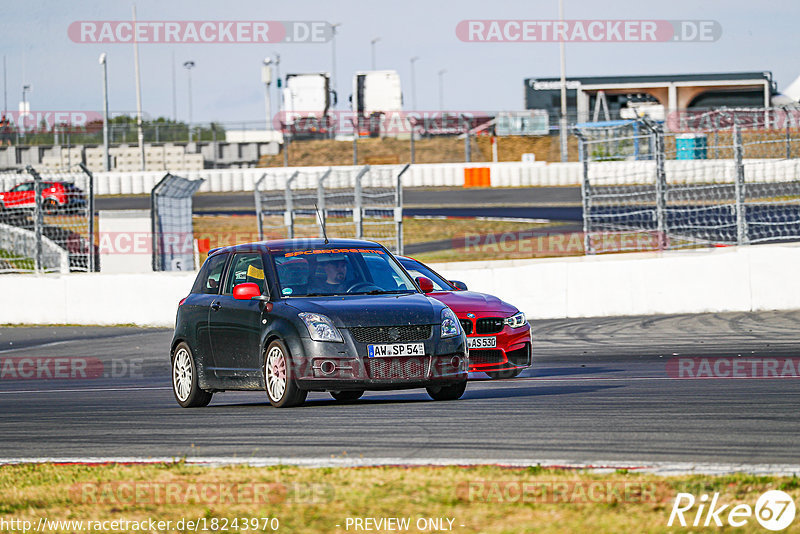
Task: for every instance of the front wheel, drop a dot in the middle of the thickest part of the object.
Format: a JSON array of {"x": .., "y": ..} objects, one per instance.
[
  {"x": 345, "y": 396},
  {"x": 508, "y": 373},
  {"x": 282, "y": 389},
  {"x": 50, "y": 206},
  {"x": 184, "y": 380},
  {"x": 445, "y": 393}
]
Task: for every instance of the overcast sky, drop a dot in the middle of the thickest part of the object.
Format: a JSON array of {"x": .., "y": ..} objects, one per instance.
[{"x": 227, "y": 86}]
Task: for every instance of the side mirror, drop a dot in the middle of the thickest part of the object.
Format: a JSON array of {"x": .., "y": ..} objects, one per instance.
[
  {"x": 460, "y": 285},
  {"x": 425, "y": 284},
  {"x": 246, "y": 291}
]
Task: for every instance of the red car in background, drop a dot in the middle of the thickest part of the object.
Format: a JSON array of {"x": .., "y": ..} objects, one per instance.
[
  {"x": 498, "y": 334},
  {"x": 55, "y": 196}
]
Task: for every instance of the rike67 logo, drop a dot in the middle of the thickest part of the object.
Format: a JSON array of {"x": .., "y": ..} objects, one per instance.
[{"x": 774, "y": 511}]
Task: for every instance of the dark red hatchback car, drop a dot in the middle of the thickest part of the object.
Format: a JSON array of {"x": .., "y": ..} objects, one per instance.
[{"x": 498, "y": 335}]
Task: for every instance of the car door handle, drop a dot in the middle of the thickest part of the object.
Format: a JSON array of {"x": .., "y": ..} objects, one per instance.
[{"x": 215, "y": 306}]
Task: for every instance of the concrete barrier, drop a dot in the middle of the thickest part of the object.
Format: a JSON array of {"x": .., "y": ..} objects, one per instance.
[
  {"x": 731, "y": 279},
  {"x": 506, "y": 174}
]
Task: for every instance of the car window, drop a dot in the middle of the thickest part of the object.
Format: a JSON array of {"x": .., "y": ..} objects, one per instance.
[
  {"x": 417, "y": 269},
  {"x": 246, "y": 267},
  {"x": 28, "y": 186},
  {"x": 209, "y": 277},
  {"x": 338, "y": 271}
]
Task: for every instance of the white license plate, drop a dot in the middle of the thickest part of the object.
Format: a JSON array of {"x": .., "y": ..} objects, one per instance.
[
  {"x": 481, "y": 342},
  {"x": 396, "y": 349}
]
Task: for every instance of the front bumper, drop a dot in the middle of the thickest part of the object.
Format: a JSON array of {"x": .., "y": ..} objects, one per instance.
[
  {"x": 514, "y": 350},
  {"x": 329, "y": 366}
]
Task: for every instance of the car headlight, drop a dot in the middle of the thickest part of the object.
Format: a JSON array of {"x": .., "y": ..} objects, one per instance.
[
  {"x": 516, "y": 320},
  {"x": 450, "y": 325},
  {"x": 320, "y": 327}
]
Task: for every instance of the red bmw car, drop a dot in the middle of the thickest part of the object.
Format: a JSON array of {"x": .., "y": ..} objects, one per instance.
[
  {"x": 55, "y": 196},
  {"x": 498, "y": 334}
]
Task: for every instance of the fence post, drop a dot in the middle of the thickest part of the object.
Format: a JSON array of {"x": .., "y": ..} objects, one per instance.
[
  {"x": 356, "y": 130},
  {"x": 90, "y": 208},
  {"x": 155, "y": 231},
  {"x": 739, "y": 189},
  {"x": 413, "y": 154},
  {"x": 467, "y": 147},
  {"x": 322, "y": 218},
  {"x": 259, "y": 214},
  {"x": 661, "y": 188},
  {"x": 38, "y": 218},
  {"x": 358, "y": 203},
  {"x": 586, "y": 194},
  {"x": 288, "y": 215},
  {"x": 398, "y": 209},
  {"x": 788, "y": 134}
]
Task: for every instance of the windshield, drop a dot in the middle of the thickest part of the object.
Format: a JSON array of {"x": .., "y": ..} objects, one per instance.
[
  {"x": 339, "y": 271},
  {"x": 417, "y": 269}
]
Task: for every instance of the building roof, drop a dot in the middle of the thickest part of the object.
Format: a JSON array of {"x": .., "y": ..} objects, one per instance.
[{"x": 661, "y": 78}]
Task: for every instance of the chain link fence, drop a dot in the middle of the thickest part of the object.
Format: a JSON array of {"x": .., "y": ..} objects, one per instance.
[
  {"x": 171, "y": 215},
  {"x": 733, "y": 178},
  {"x": 353, "y": 202},
  {"x": 47, "y": 222}
]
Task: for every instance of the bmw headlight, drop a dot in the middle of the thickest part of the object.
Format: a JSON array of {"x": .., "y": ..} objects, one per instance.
[
  {"x": 516, "y": 320},
  {"x": 320, "y": 327},
  {"x": 450, "y": 325}
]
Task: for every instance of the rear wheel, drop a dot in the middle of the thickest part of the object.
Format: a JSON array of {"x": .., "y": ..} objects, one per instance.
[
  {"x": 344, "y": 396},
  {"x": 185, "y": 384},
  {"x": 282, "y": 389},
  {"x": 445, "y": 393},
  {"x": 508, "y": 373}
]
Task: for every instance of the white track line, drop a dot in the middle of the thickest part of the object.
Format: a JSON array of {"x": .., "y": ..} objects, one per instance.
[
  {"x": 80, "y": 390},
  {"x": 658, "y": 468}
]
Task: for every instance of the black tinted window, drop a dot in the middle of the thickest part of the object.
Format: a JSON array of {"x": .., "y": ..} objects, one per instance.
[{"x": 209, "y": 278}]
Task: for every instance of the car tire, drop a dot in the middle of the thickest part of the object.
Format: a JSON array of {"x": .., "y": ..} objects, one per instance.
[
  {"x": 500, "y": 375},
  {"x": 50, "y": 206},
  {"x": 446, "y": 393},
  {"x": 282, "y": 390},
  {"x": 347, "y": 396},
  {"x": 185, "y": 385}
]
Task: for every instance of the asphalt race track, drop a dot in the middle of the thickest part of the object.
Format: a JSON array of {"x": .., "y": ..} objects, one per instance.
[
  {"x": 503, "y": 197},
  {"x": 598, "y": 392}
]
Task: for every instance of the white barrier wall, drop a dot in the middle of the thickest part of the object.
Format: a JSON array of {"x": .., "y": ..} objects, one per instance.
[
  {"x": 508, "y": 174},
  {"x": 741, "y": 279}
]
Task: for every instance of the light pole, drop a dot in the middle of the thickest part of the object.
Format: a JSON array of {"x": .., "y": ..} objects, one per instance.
[
  {"x": 372, "y": 46},
  {"x": 563, "y": 125},
  {"x": 106, "y": 161},
  {"x": 413, "y": 84},
  {"x": 441, "y": 89},
  {"x": 333, "y": 61},
  {"x": 188, "y": 65},
  {"x": 266, "y": 77},
  {"x": 24, "y": 111}
]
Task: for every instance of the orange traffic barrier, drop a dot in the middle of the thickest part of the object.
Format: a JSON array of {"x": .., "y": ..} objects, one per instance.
[{"x": 477, "y": 177}]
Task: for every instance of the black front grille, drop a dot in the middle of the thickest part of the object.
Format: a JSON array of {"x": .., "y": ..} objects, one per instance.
[
  {"x": 489, "y": 325},
  {"x": 412, "y": 368},
  {"x": 391, "y": 334},
  {"x": 484, "y": 356},
  {"x": 466, "y": 324}
]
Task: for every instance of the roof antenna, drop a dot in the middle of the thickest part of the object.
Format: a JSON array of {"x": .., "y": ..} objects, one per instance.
[{"x": 321, "y": 223}]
